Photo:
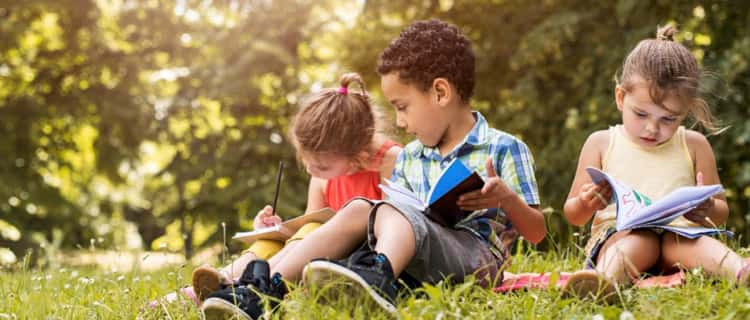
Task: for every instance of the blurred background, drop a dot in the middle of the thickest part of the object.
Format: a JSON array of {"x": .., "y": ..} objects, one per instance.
[{"x": 158, "y": 125}]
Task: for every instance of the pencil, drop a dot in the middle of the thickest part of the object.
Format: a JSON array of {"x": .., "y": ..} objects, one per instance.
[{"x": 278, "y": 184}]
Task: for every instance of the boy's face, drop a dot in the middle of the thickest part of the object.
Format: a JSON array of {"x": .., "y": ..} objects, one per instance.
[{"x": 417, "y": 112}]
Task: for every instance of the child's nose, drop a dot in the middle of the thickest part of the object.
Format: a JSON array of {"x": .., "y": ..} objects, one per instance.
[{"x": 400, "y": 122}]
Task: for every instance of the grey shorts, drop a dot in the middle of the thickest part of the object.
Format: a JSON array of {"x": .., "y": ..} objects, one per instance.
[{"x": 441, "y": 252}]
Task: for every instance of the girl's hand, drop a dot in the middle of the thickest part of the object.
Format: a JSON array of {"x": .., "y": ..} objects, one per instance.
[
  {"x": 265, "y": 218},
  {"x": 702, "y": 213},
  {"x": 490, "y": 196},
  {"x": 595, "y": 196}
]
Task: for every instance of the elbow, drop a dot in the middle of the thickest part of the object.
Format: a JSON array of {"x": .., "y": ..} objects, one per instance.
[
  {"x": 540, "y": 231},
  {"x": 537, "y": 237}
]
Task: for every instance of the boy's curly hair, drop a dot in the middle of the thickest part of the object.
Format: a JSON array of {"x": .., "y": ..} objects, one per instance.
[{"x": 427, "y": 50}]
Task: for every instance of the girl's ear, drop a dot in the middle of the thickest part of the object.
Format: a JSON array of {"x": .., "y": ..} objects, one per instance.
[
  {"x": 619, "y": 97},
  {"x": 443, "y": 91}
]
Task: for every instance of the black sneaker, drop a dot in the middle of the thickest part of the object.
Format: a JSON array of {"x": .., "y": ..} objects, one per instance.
[
  {"x": 245, "y": 299},
  {"x": 364, "y": 270}
]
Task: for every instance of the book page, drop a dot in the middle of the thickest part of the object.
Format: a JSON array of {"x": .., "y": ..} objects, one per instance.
[
  {"x": 320, "y": 216},
  {"x": 277, "y": 233},
  {"x": 286, "y": 229},
  {"x": 635, "y": 210},
  {"x": 401, "y": 194}
]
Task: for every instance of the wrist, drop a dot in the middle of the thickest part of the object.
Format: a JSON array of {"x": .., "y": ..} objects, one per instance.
[{"x": 505, "y": 199}]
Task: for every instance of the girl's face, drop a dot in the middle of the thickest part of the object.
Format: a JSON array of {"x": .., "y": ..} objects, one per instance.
[
  {"x": 327, "y": 166},
  {"x": 646, "y": 123}
]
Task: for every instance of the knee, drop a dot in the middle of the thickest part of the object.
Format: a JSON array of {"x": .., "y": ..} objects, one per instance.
[
  {"x": 354, "y": 215},
  {"x": 356, "y": 207}
]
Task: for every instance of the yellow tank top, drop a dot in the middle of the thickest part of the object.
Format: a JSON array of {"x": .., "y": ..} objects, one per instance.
[{"x": 654, "y": 172}]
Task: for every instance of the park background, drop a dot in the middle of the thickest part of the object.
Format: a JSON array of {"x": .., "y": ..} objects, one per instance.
[
  {"x": 160, "y": 124},
  {"x": 131, "y": 126}
]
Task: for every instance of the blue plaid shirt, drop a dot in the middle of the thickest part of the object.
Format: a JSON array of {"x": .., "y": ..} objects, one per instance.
[{"x": 419, "y": 166}]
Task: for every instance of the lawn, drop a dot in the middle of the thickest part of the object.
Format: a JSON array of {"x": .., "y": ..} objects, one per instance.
[{"x": 95, "y": 293}]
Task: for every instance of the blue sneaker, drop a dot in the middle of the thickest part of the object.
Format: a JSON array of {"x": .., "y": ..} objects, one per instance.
[
  {"x": 365, "y": 271},
  {"x": 244, "y": 300}
]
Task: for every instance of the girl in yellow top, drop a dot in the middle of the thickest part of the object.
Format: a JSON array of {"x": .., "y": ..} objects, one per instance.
[{"x": 654, "y": 154}]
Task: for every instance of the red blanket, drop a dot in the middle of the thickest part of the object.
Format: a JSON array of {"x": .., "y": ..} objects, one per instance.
[{"x": 544, "y": 280}]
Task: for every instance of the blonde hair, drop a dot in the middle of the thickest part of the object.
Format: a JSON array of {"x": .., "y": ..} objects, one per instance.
[
  {"x": 669, "y": 68},
  {"x": 336, "y": 121}
]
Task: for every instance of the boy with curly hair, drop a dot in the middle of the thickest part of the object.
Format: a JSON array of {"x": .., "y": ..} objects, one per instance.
[{"x": 427, "y": 74}]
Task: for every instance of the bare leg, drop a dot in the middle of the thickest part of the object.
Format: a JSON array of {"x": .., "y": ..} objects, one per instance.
[
  {"x": 711, "y": 254},
  {"x": 334, "y": 239},
  {"x": 395, "y": 238},
  {"x": 234, "y": 269},
  {"x": 279, "y": 256},
  {"x": 628, "y": 253}
]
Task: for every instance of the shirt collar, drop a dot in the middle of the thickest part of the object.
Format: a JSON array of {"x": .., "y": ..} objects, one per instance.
[{"x": 478, "y": 135}]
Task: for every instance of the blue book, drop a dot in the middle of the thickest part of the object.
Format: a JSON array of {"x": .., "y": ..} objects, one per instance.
[
  {"x": 441, "y": 203},
  {"x": 636, "y": 211}
]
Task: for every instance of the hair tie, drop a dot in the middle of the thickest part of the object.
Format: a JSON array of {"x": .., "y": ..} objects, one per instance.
[{"x": 343, "y": 90}]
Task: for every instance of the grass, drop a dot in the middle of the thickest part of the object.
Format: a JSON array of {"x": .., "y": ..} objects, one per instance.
[{"x": 93, "y": 293}]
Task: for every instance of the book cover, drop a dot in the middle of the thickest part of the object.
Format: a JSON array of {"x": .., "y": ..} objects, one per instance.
[
  {"x": 441, "y": 204},
  {"x": 286, "y": 229},
  {"x": 635, "y": 210}
]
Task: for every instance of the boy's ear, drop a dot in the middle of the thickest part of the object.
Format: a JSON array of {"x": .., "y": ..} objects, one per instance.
[
  {"x": 443, "y": 90},
  {"x": 619, "y": 97}
]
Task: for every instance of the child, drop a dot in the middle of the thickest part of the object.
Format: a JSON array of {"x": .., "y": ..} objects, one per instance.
[
  {"x": 654, "y": 154},
  {"x": 427, "y": 73},
  {"x": 337, "y": 138}
]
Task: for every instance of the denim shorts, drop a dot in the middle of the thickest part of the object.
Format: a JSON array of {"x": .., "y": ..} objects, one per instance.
[{"x": 441, "y": 252}]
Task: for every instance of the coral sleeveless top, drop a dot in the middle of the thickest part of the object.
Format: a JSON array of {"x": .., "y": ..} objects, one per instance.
[
  {"x": 654, "y": 172},
  {"x": 363, "y": 183}
]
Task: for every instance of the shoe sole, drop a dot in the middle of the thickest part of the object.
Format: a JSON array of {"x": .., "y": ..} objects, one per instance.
[
  {"x": 216, "y": 309},
  {"x": 206, "y": 280},
  {"x": 323, "y": 273},
  {"x": 589, "y": 284}
]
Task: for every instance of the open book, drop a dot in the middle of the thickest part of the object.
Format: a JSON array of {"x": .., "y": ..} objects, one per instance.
[
  {"x": 441, "y": 204},
  {"x": 636, "y": 211},
  {"x": 286, "y": 229}
]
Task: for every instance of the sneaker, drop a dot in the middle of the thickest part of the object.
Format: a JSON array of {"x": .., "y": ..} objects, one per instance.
[
  {"x": 364, "y": 271},
  {"x": 589, "y": 284},
  {"x": 245, "y": 299},
  {"x": 206, "y": 280}
]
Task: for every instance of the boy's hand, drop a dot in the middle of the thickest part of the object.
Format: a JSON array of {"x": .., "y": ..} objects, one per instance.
[
  {"x": 265, "y": 218},
  {"x": 595, "y": 196},
  {"x": 702, "y": 213},
  {"x": 490, "y": 196}
]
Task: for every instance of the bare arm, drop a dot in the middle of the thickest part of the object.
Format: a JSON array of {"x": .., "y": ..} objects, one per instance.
[
  {"x": 388, "y": 162},
  {"x": 528, "y": 220},
  {"x": 578, "y": 208},
  {"x": 705, "y": 164},
  {"x": 316, "y": 194}
]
